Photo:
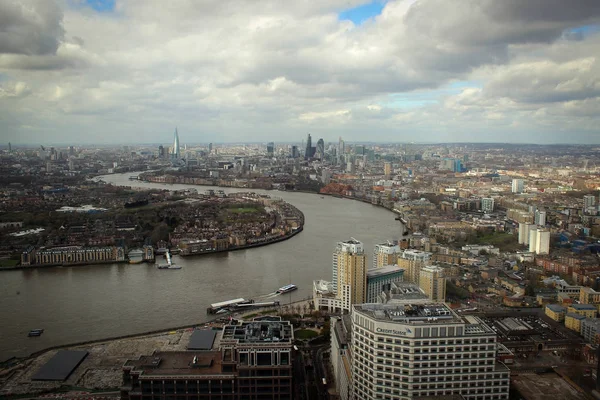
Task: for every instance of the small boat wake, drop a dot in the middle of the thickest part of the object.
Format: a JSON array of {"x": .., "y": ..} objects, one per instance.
[{"x": 269, "y": 296}]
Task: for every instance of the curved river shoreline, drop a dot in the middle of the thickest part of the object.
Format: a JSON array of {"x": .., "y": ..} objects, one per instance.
[{"x": 76, "y": 304}]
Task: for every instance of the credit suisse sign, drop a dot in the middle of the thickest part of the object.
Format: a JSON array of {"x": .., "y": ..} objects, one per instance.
[{"x": 396, "y": 332}]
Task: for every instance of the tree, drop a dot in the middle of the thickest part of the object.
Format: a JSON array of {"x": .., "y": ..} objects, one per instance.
[
  {"x": 530, "y": 290},
  {"x": 326, "y": 330}
]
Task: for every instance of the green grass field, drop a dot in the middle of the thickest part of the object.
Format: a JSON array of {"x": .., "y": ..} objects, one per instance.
[{"x": 504, "y": 241}]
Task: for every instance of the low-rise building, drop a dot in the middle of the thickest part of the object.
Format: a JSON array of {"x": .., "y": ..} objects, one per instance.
[
  {"x": 573, "y": 291},
  {"x": 251, "y": 360},
  {"x": 324, "y": 297},
  {"x": 587, "y": 310},
  {"x": 573, "y": 321},
  {"x": 588, "y": 295},
  {"x": 556, "y": 312},
  {"x": 590, "y": 330}
]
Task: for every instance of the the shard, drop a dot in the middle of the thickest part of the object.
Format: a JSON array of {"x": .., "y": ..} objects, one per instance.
[{"x": 175, "y": 153}]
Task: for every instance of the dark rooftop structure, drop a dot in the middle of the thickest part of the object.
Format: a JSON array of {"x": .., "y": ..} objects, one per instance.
[
  {"x": 259, "y": 331},
  {"x": 171, "y": 363},
  {"x": 60, "y": 367},
  {"x": 202, "y": 339}
]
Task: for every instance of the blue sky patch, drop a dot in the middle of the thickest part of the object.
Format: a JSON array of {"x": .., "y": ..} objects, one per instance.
[
  {"x": 362, "y": 13},
  {"x": 101, "y": 5},
  {"x": 420, "y": 98}
]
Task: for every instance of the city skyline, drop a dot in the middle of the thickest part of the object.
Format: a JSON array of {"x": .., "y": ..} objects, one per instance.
[{"x": 106, "y": 71}]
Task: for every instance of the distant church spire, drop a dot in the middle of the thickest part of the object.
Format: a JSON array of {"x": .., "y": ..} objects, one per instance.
[{"x": 176, "y": 154}]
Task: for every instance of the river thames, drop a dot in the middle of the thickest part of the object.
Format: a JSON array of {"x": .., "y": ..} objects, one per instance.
[{"x": 75, "y": 304}]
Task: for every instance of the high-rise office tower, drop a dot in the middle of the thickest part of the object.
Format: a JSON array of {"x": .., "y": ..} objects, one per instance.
[
  {"x": 320, "y": 149},
  {"x": 433, "y": 283},
  {"x": 308, "y": 151},
  {"x": 387, "y": 168},
  {"x": 386, "y": 254},
  {"x": 176, "y": 150},
  {"x": 412, "y": 349},
  {"x": 540, "y": 218},
  {"x": 413, "y": 261},
  {"x": 487, "y": 205},
  {"x": 270, "y": 149},
  {"x": 294, "y": 152},
  {"x": 210, "y": 148},
  {"x": 517, "y": 186},
  {"x": 9, "y": 147},
  {"x": 349, "y": 273}
]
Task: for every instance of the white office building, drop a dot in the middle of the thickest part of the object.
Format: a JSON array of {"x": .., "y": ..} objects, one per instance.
[{"x": 405, "y": 351}]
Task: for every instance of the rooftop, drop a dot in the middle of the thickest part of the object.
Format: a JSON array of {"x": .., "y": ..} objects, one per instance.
[
  {"x": 385, "y": 270},
  {"x": 179, "y": 363},
  {"x": 405, "y": 291},
  {"x": 582, "y": 307},
  {"x": 595, "y": 322},
  {"x": 576, "y": 316},
  {"x": 259, "y": 331},
  {"x": 410, "y": 313},
  {"x": 556, "y": 308}
]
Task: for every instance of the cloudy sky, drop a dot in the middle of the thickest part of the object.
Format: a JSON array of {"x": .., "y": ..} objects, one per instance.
[{"x": 129, "y": 71}]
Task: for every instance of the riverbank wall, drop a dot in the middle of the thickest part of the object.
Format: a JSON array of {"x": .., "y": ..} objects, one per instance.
[{"x": 79, "y": 264}]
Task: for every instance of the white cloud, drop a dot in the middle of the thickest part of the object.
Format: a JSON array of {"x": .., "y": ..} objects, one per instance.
[{"x": 253, "y": 69}]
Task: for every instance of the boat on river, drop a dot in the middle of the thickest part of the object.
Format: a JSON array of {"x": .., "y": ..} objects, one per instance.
[
  {"x": 169, "y": 264},
  {"x": 286, "y": 289},
  {"x": 35, "y": 332}
]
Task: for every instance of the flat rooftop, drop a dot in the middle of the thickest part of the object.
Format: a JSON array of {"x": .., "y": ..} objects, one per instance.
[
  {"x": 385, "y": 270},
  {"x": 202, "y": 339},
  {"x": 60, "y": 366},
  {"x": 405, "y": 291},
  {"x": 410, "y": 313},
  {"x": 544, "y": 386},
  {"x": 180, "y": 363},
  {"x": 259, "y": 332}
]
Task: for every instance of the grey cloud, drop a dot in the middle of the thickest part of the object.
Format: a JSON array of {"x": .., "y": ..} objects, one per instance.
[
  {"x": 42, "y": 63},
  {"x": 31, "y": 27},
  {"x": 263, "y": 66}
]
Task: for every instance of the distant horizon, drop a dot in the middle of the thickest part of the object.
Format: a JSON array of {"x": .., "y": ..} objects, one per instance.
[{"x": 37, "y": 145}]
